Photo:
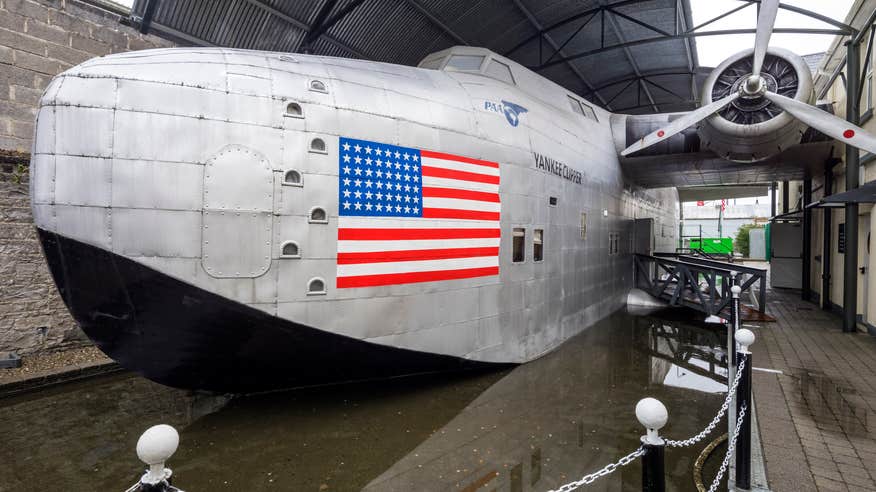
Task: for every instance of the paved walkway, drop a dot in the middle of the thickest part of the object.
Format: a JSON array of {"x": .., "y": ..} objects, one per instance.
[{"x": 818, "y": 416}]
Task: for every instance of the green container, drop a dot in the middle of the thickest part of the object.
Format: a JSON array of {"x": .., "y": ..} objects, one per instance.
[{"x": 720, "y": 245}]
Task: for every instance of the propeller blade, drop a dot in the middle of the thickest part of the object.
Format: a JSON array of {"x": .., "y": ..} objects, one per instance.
[
  {"x": 680, "y": 124},
  {"x": 826, "y": 123},
  {"x": 765, "y": 21}
]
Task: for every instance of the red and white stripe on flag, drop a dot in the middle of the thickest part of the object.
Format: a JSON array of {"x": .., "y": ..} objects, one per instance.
[{"x": 457, "y": 236}]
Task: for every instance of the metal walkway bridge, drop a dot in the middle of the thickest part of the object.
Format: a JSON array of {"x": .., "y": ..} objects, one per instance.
[{"x": 701, "y": 284}]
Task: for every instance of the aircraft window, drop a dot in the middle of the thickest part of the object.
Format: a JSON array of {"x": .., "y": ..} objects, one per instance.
[
  {"x": 290, "y": 250},
  {"x": 318, "y": 216},
  {"x": 613, "y": 243},
  {"x": 292, "y": 178},
  {"x": 588, "y": 112},
  {"x": 318, "y": 86},
  {"x": 518, "y": 244},
  {"x": 294, "y": 110},
  {"x": 499, "y": 70},
  {"x": 464, "y": 63},
  {"x": 317, "y": 145},
  {"x": 552, "y": 201},
  {"x": 316, "y": 286},
  {"x": 432, "y": 65},
  {"x": 576, "y": 106},
  {"x": 538, "y": 244}
]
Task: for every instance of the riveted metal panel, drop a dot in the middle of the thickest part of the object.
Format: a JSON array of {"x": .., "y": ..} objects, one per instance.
[
  {"x": 238, "y": 206},
  {"x": 83, "y": 180},
  {"x": 78, "y": 91},
  {"x": 84, "y": 131},
  {"x": 87, "y": 224},
  {"x": 167, "y": 233},
  {"x": 42, "y": 178},
  {"x": 155, "y": 184},
  {"x": 44, "y": 135}
]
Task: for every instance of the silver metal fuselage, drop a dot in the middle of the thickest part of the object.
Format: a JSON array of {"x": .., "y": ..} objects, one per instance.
[{"x": 177, "y": 159}]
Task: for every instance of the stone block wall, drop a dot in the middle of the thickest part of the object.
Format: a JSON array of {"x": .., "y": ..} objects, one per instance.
[{"x": 38, "y": 40}]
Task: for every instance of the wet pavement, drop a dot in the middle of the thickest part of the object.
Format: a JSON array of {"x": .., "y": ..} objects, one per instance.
[{"x": 533, "y": 427}]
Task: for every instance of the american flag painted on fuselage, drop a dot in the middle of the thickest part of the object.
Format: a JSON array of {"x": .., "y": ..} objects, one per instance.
[{"x": 410, "y": 215}]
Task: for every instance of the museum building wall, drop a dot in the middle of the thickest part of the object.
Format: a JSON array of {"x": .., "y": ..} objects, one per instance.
[{"x": 38, "y": 40}]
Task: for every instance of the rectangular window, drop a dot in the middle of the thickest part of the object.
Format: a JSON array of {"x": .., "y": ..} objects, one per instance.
[
  {"x": 518, "y": 245},
  {"x": 552, "y": 201},
  {"x": 500, "y": 71},
  {"x": 465, "y": 63},
  {"x": 588, "y": 112},
  {"x": 869, "y": 96},
  {"x": 576, "y": 106},
  {"x": 538, "y": 244},
  {"x": 613, "y": 243},
  {"x": 583, "y": 225}
]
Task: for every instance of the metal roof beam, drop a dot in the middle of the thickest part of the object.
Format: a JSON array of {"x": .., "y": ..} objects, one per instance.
[
  {"x": 435, "y": 20},
  {"x": 630, "y": 58},
  {"x": 323, "y": 23},
  {"x": 657, "y": 39},
  {"x": 538, "y": 27},
  {"x": 304, "y": 27}
]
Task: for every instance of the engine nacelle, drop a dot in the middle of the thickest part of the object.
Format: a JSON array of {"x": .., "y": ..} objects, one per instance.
[{"x": 752, "y": 128}]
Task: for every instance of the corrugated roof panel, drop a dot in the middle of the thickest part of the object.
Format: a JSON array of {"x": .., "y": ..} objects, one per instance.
[{"x": 396, "y": 31}]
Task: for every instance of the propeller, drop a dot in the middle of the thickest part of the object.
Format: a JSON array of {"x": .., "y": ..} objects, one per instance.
[
  {"x": 755, "y": 87},
  {"x": 674, "y": 127},
  {"x": 765, "y": 20},
  {"x": 826, "y": 123}
]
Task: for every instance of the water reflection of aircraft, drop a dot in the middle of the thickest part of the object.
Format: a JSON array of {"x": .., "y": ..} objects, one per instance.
[
  {"x": 551, "y": 421},
  {"x": 238, "y": 220}
]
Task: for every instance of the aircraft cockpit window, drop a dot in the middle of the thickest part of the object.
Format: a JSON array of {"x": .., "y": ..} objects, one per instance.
[
  {"x": 582, "y": 109},
  {"x": 432, "y": 64},
  {"x": 464, "y": 63},
  {"x": 576, "y": 106},
  {"x": 588, "y": 112},
  {"x": 500, "y": 71}
]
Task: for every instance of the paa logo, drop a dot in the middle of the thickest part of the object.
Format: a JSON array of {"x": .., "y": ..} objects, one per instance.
[{"x": 511, "y": 111}]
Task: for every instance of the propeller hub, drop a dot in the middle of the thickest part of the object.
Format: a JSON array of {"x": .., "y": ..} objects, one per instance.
[{"x": 754, "y": 86}]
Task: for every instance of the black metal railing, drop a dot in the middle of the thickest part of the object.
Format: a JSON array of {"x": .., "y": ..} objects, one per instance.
[{"x": 698, "y": 283}]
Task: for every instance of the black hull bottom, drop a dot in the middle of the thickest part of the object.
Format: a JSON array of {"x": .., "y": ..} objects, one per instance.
[{"x": 179, "y": 335}]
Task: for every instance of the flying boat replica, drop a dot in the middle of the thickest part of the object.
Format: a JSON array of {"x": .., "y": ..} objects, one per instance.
[{"x": 239, "y": 221}]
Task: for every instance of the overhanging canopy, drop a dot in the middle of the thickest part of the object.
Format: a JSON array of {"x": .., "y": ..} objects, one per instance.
[{"x": 864, "y": 194}]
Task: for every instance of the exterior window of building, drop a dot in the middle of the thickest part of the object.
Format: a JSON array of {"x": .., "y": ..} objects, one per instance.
[
  {"x": 518, "y": 244},
  {"x": 538, "y": 244}
]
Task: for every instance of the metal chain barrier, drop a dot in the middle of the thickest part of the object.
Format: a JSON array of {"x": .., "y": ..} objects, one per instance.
[
  {"x": 709, "y": 428},
  {"x": 588, "y": 479},
  {"x": 730, "y": 449}
]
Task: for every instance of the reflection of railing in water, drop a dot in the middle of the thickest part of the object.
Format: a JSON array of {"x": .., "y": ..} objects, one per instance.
[
  {"x": 690, "y": 343},
  {"x": 696, "y": 283}
]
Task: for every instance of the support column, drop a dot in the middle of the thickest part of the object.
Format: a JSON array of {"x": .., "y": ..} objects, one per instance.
[
  {"x": 680, "y": 224},
  {"x": 773, "y": 190},
  {"x": 807, "y": 241},
  {"x": 853, "y": 163},
  {"x": 786, "y": 196},
  {"x": 827, "y": 226}
]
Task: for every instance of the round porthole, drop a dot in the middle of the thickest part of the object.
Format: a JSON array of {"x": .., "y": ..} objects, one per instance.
[
  {"x": 290, "y": 250},
  {"x": 294, "y": 110},
  {"x": 292, "y": 178},
  {"x": 317, "y": 145},
  {"x": 318, "y": 86},
  {"x": 318, "y": 215},
  {"x": 315, "y": 287}
]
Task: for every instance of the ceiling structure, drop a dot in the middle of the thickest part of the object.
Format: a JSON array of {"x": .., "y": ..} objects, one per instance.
[{"x": 628, "y": 56}]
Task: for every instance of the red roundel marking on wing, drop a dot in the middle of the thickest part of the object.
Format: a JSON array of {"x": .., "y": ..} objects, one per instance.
[
  {"x": 661, "y": 133},
  {"x": 849, "y": 133}
]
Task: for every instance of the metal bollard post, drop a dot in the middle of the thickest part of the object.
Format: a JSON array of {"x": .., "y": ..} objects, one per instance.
[
  {"x": 743, "y": 398},
  {"x": 154, "y": 448},
  {"x": 653, "y": 416}
]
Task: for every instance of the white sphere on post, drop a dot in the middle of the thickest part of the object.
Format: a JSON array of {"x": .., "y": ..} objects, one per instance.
[
  {"x": 744, "y": 337},
  {"x": 653, "y": 416},
  {"x": 736, "y": 290},
  {"x": 154, "y": 448}
]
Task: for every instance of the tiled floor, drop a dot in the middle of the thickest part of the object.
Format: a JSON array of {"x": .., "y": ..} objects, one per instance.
[{"x": 818, "y": 417}]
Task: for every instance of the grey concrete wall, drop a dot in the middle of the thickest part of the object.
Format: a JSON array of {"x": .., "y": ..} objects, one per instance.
[{"x": 39, "y": 39}]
